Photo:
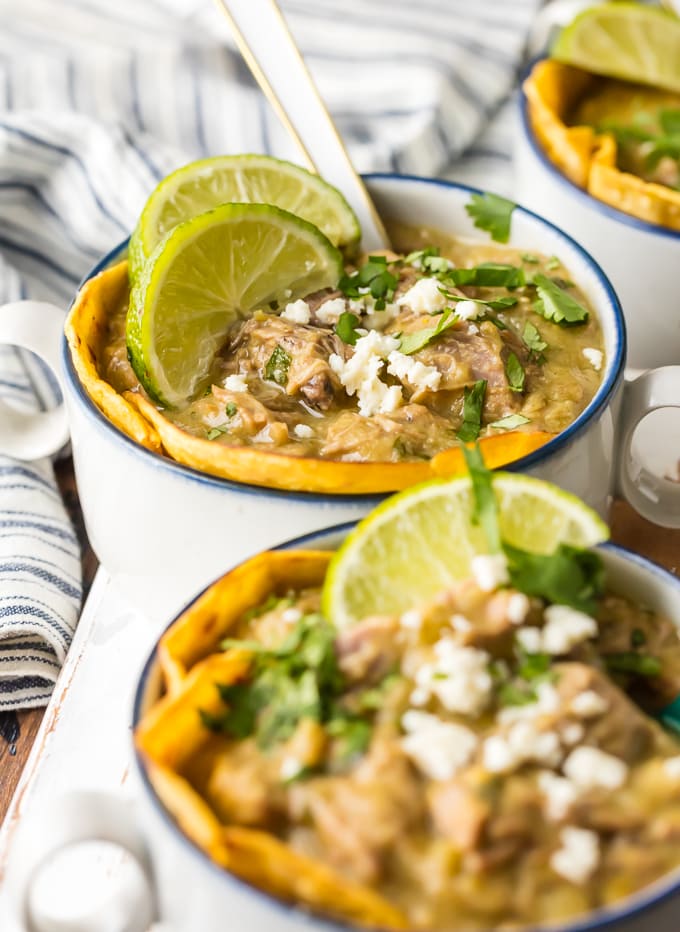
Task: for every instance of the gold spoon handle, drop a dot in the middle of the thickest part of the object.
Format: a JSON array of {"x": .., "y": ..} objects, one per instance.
[{"x": 270, "y": 52}]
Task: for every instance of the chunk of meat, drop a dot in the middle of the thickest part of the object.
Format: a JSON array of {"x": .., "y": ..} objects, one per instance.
[
  {"x": 309, "y": 373},
  {"x": 358, "y": 818},
  {"x": 458, "y": 812},
  {"x": 368, "y": 650},
  {"x": 251, "y": 418},
  {"x": 624, "y": 731},
  {"x": 241, "y": 786},
  {"x": 410, "y": 430}
]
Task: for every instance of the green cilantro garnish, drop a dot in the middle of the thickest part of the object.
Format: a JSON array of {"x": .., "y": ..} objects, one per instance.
[
  {"x": 353, "y": 733},
  {"x": 216, "y": 432},
  {"x": 346, "y": 327},
  {"x": 412, "y": 342},
  {"x": 533, "y": 342},
  {"x": 473, "y": 403},
  {"x": 637, "y": 637},
  {"x": 515, "y": 373},
  {"x": 494, "y": 304},
  {"x": 510, "y": 422},
  {"x": 530, "y": 258},
  {"x": 670, "y": 121},
  {"x": 633, "y": 663},
  {"x": 552, "y": 263},
  {"x": 278, "y": 364},
  {"x": 269, "y": 604},
  {"x": 557, "y": 305},
  {"x": 488, "y": 275},
  {"x": 492, "y": 213},
  {"x": 374, "y": 275},
  {"x": 568, "y": 576},
  {"x": 428, "y": 260},
  {"x": 516, "y": 694},
  {"x": 230, "y": 409}
]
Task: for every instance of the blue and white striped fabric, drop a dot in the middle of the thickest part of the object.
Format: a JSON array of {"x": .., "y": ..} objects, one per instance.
[{"x": 99, "y": 100}]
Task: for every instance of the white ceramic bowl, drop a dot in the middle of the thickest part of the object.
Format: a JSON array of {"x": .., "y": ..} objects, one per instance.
[
  {"x": 164, "y": 529},
  {"x": 640, "y": 258},
  {"x": 191, "y": 893}
]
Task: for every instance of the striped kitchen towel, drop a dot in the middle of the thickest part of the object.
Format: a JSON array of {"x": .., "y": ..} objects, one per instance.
[{"x": 99, "y": 100}]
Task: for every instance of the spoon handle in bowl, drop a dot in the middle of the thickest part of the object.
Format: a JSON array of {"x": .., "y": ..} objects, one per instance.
[{"x": 270, "y": 52}]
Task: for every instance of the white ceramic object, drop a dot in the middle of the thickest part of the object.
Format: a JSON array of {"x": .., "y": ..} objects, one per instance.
[
  {"x": 640, "y": 258},
  {"x": 163, "y": 530},
  {"x": 192, "y": 893}
]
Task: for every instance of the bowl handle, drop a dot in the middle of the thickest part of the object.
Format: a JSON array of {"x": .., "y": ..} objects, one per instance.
[
  {"x": 655, "y": 497},
  {"x": 38, "y": 327},
  {"x": 75, "y": 817}
]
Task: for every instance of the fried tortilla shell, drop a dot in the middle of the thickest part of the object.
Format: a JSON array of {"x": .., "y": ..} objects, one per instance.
[
  {"x": 200, "y": 629},
  {"x": 587, "y": 158},
  {"x": 170, "y": 735}
]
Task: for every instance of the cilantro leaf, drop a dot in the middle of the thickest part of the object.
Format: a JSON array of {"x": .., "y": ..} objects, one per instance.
[
  {"x": 515, "y": 373},
  {"x": 373, "y": 275},
  {"x": 412, "y": 342},
  {"x": 510, "y": 422},
  {"x": 533, "y": 342},
  {"x": 230, "y": 409},
  {"x": 568, "y": 576},
  {"x": 552, "y": 263},
  {"x": 277, "y": 366},
  {"x": 346, "y": 327},
  {"x": 485, "y": 510},
  {"x": 488, "y": 275},
  {"x": 556, "y": 304},
  {"x": 530, "y": 258},
  {"x": 492, "y": 213},
  {"x": 637, "y": 637},
  {"x": 670, "y": 121},
  {"x": 353, "y": 733},
  {"x": 216, "y": 432},
  {"x": 633, "y": 663},
  {"x": 494, "y": 304},
  {"x": 473, "y": 403}
]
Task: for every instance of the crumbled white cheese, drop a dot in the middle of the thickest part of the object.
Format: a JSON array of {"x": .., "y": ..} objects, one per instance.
[
  {"x": 298, "y": 312},
  {"x": 672, "y": 767},
  {"x": 588, "y": 704},
  {"x": 529, "y": 639},
  {"x": 436, "y": 747},
  {"x": 458, "y": 676},
  {"x": 578, "y": 855},
  {"x": 518, "y": 608},
  {"x": 565, "y": 628},
  {"x": 424, "y": 297},
  {"x": 411, "y": 619},
  {"x": 490, "y": 571},
  {"x": 291, "y": 616},
  {"x": 360, "y": 374},
  {"x": 330, "y": 311},
  {"x": 412, "y": 371},
  {"x": 419, "y": 697},
  {"x": 523, "y": 742},
  {"x": 263, "y": 436},
  {"x": 303, "y": 431},
  {"x": 461, "y": 624},
  {"x": 469, "y": 310},
  {"x": 547, "y": 702},
  {"x": 378, "y": 320},
  {"x": 594, "y": 356},
  {"x": 559, "y": 793},
  {"x": 290, "y": 767},
  {"x": 572, "y": 733},
  {"x": 589, "y": 768},
  {"x": 236, "y": 383}
]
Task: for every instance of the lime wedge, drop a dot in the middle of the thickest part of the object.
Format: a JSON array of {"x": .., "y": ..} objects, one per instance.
[
  {"x": 256, "y": 179},
  {"x": 422, "y": 540},
  {"x": 207, "y": 272},
  {"x": 624, "y": 40}
]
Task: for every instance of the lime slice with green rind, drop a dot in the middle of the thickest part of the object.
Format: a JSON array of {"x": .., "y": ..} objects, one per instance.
[
  {"x": 624, "y": 40},
  {"x": 207, "y": 272},
  {"x": 421, "y": 541},
  {"x": 259, "y": 179}
]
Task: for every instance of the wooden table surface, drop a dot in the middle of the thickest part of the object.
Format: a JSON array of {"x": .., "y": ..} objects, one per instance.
[{"x": 19, "y": 730}]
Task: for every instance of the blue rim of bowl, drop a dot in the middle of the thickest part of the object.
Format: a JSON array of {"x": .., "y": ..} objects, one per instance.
[
  {"x": 613, "y": 213},
  {"x": 589, "y": 415},
  {"x": 604, "y": 918}
]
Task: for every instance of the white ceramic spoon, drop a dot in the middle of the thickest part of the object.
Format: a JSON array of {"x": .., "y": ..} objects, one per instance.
[{"x": 270, "y": 52}]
